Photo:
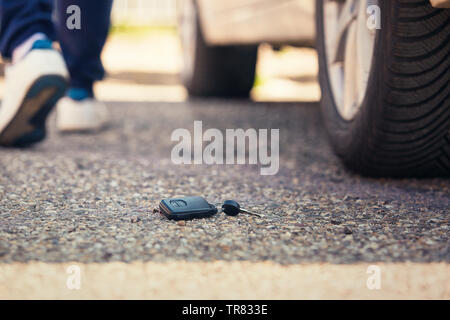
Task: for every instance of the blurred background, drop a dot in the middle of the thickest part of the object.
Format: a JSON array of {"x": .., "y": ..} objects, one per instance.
[{"x": 143, "y": 59}]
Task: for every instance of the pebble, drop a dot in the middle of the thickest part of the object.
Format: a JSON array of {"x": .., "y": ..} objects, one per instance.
[
  {"x": 135, "y": 219},
  {"x": 347, "y": 230}
]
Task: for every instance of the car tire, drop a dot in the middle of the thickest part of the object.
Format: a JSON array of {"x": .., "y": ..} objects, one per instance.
[
  {"x": 221, "y": 71},
  {"x": 402, "y": 126}
]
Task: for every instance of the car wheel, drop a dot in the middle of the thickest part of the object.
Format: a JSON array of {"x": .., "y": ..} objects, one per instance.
[
  {"x": 213, "y": 70},
  {"x": 385, "y": 85}
]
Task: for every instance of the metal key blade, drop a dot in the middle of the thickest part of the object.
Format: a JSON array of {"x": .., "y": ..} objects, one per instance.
[{"x": 251, "y": 213}]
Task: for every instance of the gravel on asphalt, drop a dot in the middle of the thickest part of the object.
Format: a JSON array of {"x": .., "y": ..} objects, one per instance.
[{"x": 90, "y": 198}]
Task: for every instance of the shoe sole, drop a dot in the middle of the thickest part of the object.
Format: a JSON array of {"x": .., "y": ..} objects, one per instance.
[
  {"x": 73, "y": 130},
  {"x": 29, "y": 124}
]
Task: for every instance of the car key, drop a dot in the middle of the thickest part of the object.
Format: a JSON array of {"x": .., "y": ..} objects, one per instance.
[
  {"x": 232, "y": 208},
  {"x": 187, "y": 208},
  {"x": 197, "y": 207}
]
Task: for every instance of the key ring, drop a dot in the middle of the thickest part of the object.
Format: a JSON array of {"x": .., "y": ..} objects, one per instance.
[{"x": 197, "y": 207}]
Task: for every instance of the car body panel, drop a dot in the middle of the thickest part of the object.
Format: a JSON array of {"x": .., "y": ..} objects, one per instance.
[
  {"x": 440, "y": 3},
  {"x": 256, "y": 21}
]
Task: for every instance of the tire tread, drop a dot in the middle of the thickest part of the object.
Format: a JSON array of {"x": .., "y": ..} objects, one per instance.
[{"x": 413, "y": 135}]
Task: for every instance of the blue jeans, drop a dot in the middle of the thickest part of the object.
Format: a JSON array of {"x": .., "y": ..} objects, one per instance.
[{"x": 20, "y": 19}]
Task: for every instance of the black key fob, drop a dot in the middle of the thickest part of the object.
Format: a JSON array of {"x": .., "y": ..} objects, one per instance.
[{"x": 187, "y": 208}]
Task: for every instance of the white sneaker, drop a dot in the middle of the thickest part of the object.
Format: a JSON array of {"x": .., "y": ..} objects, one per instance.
[
  {"x": 33, "y": 85},
  {"x": 85, "y": 115}
]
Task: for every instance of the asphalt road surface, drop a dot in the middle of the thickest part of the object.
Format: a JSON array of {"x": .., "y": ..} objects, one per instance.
[{"x": 90, "y": 198}]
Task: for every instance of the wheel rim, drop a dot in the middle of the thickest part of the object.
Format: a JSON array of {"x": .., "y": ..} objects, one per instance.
[
  {"x": 349, "y": 46},
  {"x": 188, "y": 29}
]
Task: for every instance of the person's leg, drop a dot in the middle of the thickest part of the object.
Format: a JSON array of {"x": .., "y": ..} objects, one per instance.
[
  {"x": 79, "y": 110},
  {"x": 36, "y": 78},
  {"x": 82, "y": 48},
  {"x": 21, "y": 19}
]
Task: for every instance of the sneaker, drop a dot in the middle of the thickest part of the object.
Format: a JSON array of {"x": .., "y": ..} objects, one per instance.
[
  {"x": 81, "y": 115},
  {"x": 33, "y": 85}
]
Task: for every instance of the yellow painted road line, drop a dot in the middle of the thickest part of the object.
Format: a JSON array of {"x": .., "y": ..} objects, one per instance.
[{"x": 224, "y": 280}]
